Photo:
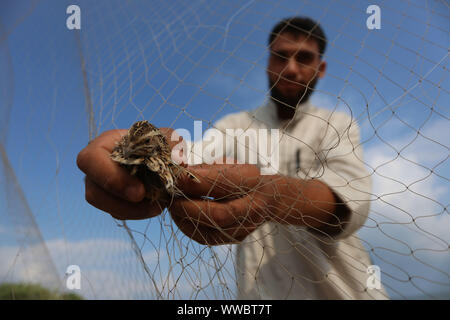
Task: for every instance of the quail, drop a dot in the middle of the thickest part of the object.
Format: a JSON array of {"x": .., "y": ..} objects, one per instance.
[{"x": 144, "y": 151}]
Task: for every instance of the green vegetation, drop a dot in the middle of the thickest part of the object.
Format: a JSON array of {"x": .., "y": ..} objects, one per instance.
[{"x": 30, "y": 291}]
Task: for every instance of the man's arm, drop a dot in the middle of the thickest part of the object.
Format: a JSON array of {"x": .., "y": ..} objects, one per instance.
[
  {"x": 243, "y": 200},
  {"x": 308, "y": 203}
]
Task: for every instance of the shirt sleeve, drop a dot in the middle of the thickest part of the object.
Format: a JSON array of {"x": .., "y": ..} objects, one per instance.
[{"x": 340, "y": 165}]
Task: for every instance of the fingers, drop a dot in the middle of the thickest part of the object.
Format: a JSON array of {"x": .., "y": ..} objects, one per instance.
[
  {"x": 95, "y": 162},
  {"x": 222, "y": 221},
  {"x": 220, "y": 180},
  {"x": 211, "y": 213},
  {"x": 213, "y": 236},
  {"x": 220, "y": 214},
  {"x": 117, "y": 207}
]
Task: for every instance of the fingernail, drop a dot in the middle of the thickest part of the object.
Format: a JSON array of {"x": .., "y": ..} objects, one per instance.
[{"x": 134, "y": 193}]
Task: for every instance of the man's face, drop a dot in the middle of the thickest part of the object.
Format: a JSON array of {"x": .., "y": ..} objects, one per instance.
[{"x": 294, "y": 67}]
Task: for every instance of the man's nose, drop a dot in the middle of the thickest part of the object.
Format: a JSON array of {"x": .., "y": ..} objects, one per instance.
[{"x": 291, "y": 69}]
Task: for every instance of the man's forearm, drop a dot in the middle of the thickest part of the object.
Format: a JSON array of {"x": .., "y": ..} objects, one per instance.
[{"x": 308, "y": 203}]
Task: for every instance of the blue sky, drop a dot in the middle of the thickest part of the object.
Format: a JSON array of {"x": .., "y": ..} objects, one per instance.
[{"x": 173, "y": 63}]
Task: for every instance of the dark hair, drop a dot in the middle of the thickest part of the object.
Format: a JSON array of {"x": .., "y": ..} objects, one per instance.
[{"x": 300, "y": 26}]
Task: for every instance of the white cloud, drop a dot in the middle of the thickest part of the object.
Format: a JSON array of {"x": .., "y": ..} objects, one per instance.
[
  {"x": 405, "y": 182},
  {"x": 322, "y": 100},
  {"x": 409, "y": 207}
]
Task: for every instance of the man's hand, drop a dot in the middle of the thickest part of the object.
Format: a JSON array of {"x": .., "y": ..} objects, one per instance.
[
  {"x": 242, "y": 200},
  {"x": 229, "y": 203},
  {"x": 110, "y": 187}
]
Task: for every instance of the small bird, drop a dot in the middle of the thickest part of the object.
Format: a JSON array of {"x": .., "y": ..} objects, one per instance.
[{"x": 144, "y": 151}]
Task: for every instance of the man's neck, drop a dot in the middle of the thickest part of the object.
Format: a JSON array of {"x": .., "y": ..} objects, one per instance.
[{"x": 285, "y": 112}]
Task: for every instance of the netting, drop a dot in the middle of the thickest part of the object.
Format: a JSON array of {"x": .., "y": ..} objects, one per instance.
[{"x": 177, "y": 62}]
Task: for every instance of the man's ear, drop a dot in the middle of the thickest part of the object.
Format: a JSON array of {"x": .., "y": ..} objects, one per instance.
[{"x": 322, "y": 69}]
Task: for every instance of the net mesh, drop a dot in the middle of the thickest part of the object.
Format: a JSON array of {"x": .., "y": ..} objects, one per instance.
[{"x": 177, "y": 62}]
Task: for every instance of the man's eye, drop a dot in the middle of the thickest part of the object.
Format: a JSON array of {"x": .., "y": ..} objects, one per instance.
[{"x": 305, "y": 57}]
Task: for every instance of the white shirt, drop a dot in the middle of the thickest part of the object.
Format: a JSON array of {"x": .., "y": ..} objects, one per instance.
[{"x": 279, "y": 261}]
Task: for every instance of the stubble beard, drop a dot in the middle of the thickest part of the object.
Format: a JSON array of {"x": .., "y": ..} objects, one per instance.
[{"x": 287, "y": 105}]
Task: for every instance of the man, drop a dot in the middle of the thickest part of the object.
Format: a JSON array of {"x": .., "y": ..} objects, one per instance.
[{"x": 295, "y": 229}]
